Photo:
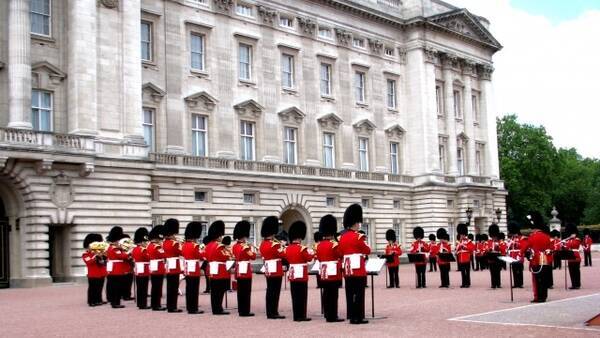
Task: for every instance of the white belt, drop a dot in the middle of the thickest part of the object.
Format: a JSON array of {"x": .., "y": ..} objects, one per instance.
[{"x": 115, "y": 260}]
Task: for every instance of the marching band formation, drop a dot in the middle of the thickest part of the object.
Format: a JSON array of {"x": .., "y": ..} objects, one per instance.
[{"x": 159, "y": 254}]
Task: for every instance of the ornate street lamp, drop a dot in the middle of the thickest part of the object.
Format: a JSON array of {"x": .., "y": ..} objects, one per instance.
[
  {"x": 469, "y": 213},
  {"x": 498, "y": 215}
]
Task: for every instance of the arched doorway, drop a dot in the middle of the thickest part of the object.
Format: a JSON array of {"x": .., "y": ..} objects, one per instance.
[
  {"x": 293, "y": 213},
  {"x": 4, "y": 249}
]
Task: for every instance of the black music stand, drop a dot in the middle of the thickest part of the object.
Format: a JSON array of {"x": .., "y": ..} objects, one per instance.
[
  {"x": 565, "y": 255},
  {"x": 447, "y": 256},
  {"x": 510, "y": 261},
  {"x": 492, "y": 257},
  {"x": 416, "y": 258},
  {"x": 373, "y": 269}
]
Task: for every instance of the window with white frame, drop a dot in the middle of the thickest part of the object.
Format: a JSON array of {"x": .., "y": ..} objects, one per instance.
[
  {"x": 460, "y": 161},
  {"x": 397, "y": 204},
  {"x": 252, "y": 238},
  {"x": 397, "y": 227},
  {"x": 439, "y": 100},
  {"x": 245, "y": 58},
  {"x": 247, "y": 146},
  {"x": 358, "y": 43},
  {"x": 330, "y": 201},
  {"x": 197, "y": 51},
  {"x": 287, "y": 70},
  {"x": 325, "y": 79},
  {"x": 391, "y": 94},
  {"x": 389, "y": 51},
  {"x": 290, "y": 145},
  {"x": 366, "y": 228},
  {"x": 41, "y": 110},
  {"x": 250, "y": 198},
  {"x": 394, "y": 158},
  {"x": 365, "y": 202},
  {"x": 479, "y": 158},
  {"x": 148, "y": 126},
  {"x": 146, "y": 40},
  {"x": 329, "y": 150},
  {"x": 325, "y": 33},
  {"x": 442, "y": 157},
  {"x": 200, "y": 196},
  {"x": 199, "y": 135},
  {"x": 359, "y": 86},
  {"x": 40, "y": 17},
  {"x": 286, "y": 22},
  {"x": 363, "y": 154},
  {"x": 475, "y": 108},
  {"x": 243, "y": 9},
  {"x": 457, "y": 104}
]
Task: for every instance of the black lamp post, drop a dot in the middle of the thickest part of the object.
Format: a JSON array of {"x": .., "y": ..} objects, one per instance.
[
  {"x": 498, "y": 215},
  {"x": 469, "y": 213}
]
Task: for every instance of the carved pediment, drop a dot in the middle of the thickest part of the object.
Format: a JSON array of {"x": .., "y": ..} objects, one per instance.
[
  {"x": 364, "y": 125},
  {"x": 200, "y": 100},
  {"x": 54, "y": 73},
  {"x": 343, "y": 36},
  {"x": 292, "y": 114},
  {"x": 307, "y": 26},
  {"x": 249, "y": 108},
  {"x": 375, "y": 45},
  {"x": 330, "y": 120},
  {"x": 462, "y": 22},
  {"x": 462, "y": 138},
  {"x": 395, "y": 131},
  {"x": 267, "y": 14},
  {"x": 154, "y": 91}
]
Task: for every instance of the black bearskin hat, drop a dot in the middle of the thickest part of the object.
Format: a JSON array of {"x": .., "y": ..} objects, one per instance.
[
  {"x": 91, "y": 238},
  {"x": 494, "y": 231},
  {"x": 282, "y": 236},
  {"x": 462, "y": 229},
  {"x": 555, "y": 233},
  {"x": 328, "y": 225},
  {"x": 418, "y": 233},
  {"x": 537, "y": 220},
  {"x": 431, "y": 237},
  {"x": 205, "y": 240},
  {"x": 571, "y": 229},
  {"x": 171, "y": 227},
  {"x": 297, "y": 230},
  {"x": 216, "y": 230},
  {"x": 477, "y": 237},
  {"x": 390, "y": 235},
  {"x": 114, "y": 234},
  {"x": 140, "y": 235},
  {"x": 484, "y": 237},
  {"x": 241, "y": 230},
  {"x": 226, "y": 240},
  {"x": 586, "y": 231},
  {"x": 193, "y": 230},
  {"x": 156, "y": 232},
  {"x": 317, "y": 237},
  {"x": 441, "y": 232},
  {"x": 270, "y": 225},
  {"x": 502, "y": 236},
  {"x": 353, "y": 215},
  {"x": 470, "y": 236},
  {"x": 513, "y": 228}
]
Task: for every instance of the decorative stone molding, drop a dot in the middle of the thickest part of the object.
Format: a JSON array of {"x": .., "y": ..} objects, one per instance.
[
  {"x": 3, "y": 160},
  {"x": 61, "y": 191},
  {"x": 462, "y": 139},
  {"x": 43, "y": 166},
  {"x": 267, "y": 14},
  {"x": 450, "y": 61},
  {"x": 343, "y": 36},
  {"x": 402, "y": 55},
  {"x": 375, "y": 45},
  {"x": 468, "y": 67},
  {"x": 109, "y": 3},
  {"x": 307, "y": 26},
  {"x": 330, "y": 121},
  {"x": 485, "y": 72},
  {"x": 395, "y": 131},
  {"x": 223, "y": 5},
  {"x": 292, "y": 114},
  {"x": 249, "y": 108},
  {"x": 85, "y": 169},
  {"x": 364, "y": 126},
  {"x": 194, "y": 101},
  {"x": 155, "y": 92},
  {"x": 430, "y": 54},
  {"x": 54, "y": 73}
]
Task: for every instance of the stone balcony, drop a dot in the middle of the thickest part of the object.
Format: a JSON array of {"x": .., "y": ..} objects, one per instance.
[{"x": 47, "y": 141}]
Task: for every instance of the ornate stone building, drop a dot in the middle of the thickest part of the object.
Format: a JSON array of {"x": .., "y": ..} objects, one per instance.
[{"x": 127, "y": 112}]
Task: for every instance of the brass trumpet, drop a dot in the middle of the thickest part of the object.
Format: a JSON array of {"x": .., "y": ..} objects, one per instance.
[
  {"x": 126, "y": 244},
  {"x": 99, "y": 248}
]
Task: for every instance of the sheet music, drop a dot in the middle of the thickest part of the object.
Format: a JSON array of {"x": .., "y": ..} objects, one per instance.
[
  {"x": 298, "y": 270},
  {"x": 374, "y": 264},
  {"x": 355, "y": 261},
  {"x": 243, "y": 267},
  {"x": 507, "y": 259},
  {"x": 262, "y": 269},
  {"x": 271, "y": 266},
  {"x": 316, "y": 267},
  {"x": 331, "y": 269},
  {"x": 214, "y": 268},
  {"x": 229, "y": 265}
]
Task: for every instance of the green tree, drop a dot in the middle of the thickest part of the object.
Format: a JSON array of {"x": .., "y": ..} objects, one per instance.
[{"x": 572, "y": 185}]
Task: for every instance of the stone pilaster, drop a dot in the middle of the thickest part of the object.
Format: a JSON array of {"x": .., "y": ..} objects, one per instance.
[
  {"x": 468, "y": 72},
  {"x": 19, "y": 65},
  {"x": 448, "y": 64},
  {"x": 82, "y": 61},
  {"x": 488, "y": 115},
  {"x": 175, "y": 108},
  {"x": 132, "y": 72}
]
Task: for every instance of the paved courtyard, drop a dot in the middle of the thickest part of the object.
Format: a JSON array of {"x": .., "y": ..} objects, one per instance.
[{"x": 60, "y": 310}]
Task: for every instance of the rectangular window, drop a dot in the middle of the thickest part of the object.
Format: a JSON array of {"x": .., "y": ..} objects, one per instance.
[
  {"x": 391, "y": 94},
  {"x": 325, "y": 33},
  {"x": 457, "y": 105},
  {"x": 200, "y": 196},
  {"x": 478, "y": 167},
  {"x": 245, "y": 57},
  {"x": 359, "y": 86},
  {"x": 442, "y": 157},
  {"x": 287, "y": 71},
  {"x": 146, "y": 40},
  {"x": 449, "y": 204},
  {"x": 365, "y": 227},
  {"x": 394, "y": 158},
  {"x": 358, "y": 43},
  {"x": 330, "y": 202},
  {"x": 243, "y": 9},
  {"x": 460, "y": 162},
  {"x": 398, "y": 229},
  {"x": 197, "y": 51},
  {"x": 290, "y": 145},
  {"x": 329, "y": 150},
  {"x": 475, "y": 105},
  {"x": 397, "y": 204},
  {"x": 389, "y": 52},
  {"x": 325, "y": 79},
  {"x": 363, "y": 154},
  {"x": 476, "y": 204},
  {"x": 365, "y": 202},
  {"x": 39, "y": 14},
  {"x": 154, "y": 193},
  {"x": 199, "y": 135},
  {"x": 148, "y": 126},
  {"x": 286, "y": 22},
  {"x": 252, "y": 238},
  {"x": 249, "y": 198},
  {"x": 41, "y": 110},
  {"x": 439, "y": 100},
  {"x": 247, "y": 146}
]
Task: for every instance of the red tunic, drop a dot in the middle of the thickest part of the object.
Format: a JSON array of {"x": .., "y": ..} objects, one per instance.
[
  {"x": 243, "y": 255},
  {"x": 515, "y": 246},
  {"x": 142, "y": 261},
  {"x": 328, "y": 253},
  {"x": 573, "y": 244},
  {"x": 157, "y": 261},
  {"x": 272, "y": 253},
  {"x": 587, "y": 243},
  {"x": 433, "y": 249},
  {"x": 193, "y": 257},
  {"x": 172, "y": 253},
  {"x": 396, "y": 251},
  {"x": 353, "y": 246},
  {"x": 420, "y": 246},
  {"x": 442, "y": 247},
  {"x": 117, "y": 263},
  {"x": 217, "y": 255},
  {"x": 480, "y": 249},
  {"x": 94, "y": 268},
  {"x": 298, "y": 256},
  {"x": 541, "y": 245},
  {"x": 464, "y": 251}
]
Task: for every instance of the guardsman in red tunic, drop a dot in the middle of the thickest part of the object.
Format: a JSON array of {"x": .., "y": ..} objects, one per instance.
[
  {"x": 193, "y": 255},
  {"x": 244, "y": 253},
  {"x": 95, "y": 263},
  {"x": 496, "y": 248},
  {"x": 330, "y": 267},
  {"x": 172, "y": 248},
  {"x": 443, "y": 247},
  {"x": 272, "y": 252},
  {"x": 573, "y": 243},
  {"x": 432, "y": 253},
  {"x": 419, "y": 246},
  {"x": 464, "y": 251},
  {"x": 128, "y": 277},
  {"x": 515, "y": 245},
  {"x": 587, "y": 247},
  {"x": 556, "y": 246},
  {"x": 156, "y": 254},
  {"x": 117, "y": 266},
  {"x": 393, "y": 251},
  {"x": 354, "y": 248},
  {"x": 481, "y": 249},
  {"x": 141, "y": 267},
  {"x": 217, "y": 255},
  {"x": 539, "y": 248},
  {"x": 298, "y": 257}
]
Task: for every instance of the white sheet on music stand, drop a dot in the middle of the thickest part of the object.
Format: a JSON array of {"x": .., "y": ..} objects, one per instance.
[
  {"x": 262, "y": 269},
  {"x": 316, "y": 267},
  {"x": 109, "y": 266},
  {"x": 154, "y": 265},
  {"x": 374, "y": 264},
  {"x": 298, "y": 270},
  {"x": 331, "y": 269},
  {"x": 272, "y": 266},
  {"x": 214, "y": 267},
  {"x": 243, "y": 267},
  {"x": 507, "y": 259},
  {"x": 191, "y": 265},
  {"x": 172, "y": 263},
  {"x": 229, "y": 265},
  {"x": 355, "y": 261}
]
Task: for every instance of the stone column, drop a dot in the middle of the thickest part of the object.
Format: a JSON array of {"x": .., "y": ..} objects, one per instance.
[
  {"x": 132, "y": 72},
  {"x": 468, "y": 72},
  {"x": 82, "y": 61},
  {"x": 175, "y": 108},
  {"x": 449, "y": 62},
  {"x": 488, "y": 115},
  {"x": 19, "y": 65}
]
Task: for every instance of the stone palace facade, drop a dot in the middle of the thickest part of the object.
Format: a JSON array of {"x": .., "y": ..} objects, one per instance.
[{"x": 127, "y": 112}]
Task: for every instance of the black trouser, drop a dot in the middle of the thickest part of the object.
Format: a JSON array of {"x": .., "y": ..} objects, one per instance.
[
  {"x": 540, "y": 281},
  {"x": 477, "y": 264},
  {"x": 272, "y": 295},
  {"x": 465, "y": 274},
  {"x": 517, "y": 269},
  {"x": 244, "y": 293},
  {"x": 156, "y": 291},
  {"x": 394, "y": 279},
  {"x": 206, "y": 279},
  {"x": 218, "y": 287},
  {"x": 472, "y": 261},
  {"x": 355, "y": 297},
  {"x": 557, "y": 262},
  {"x": 127, "y": 284},
  {"x": 588, "y": 257},
  {"x": 192, "y": 287},
  {"x": 432, "y": 264},
  {"x": 114, "y": 288},
  {"x": 495, "y": 268},
  {"x": 172, "y": 290},
  {"x": 420, "y": 269},
  {"x": 299, "y": 292},
  {"x": 550, "y": 277},
  {"x": 445, "y": 274},
  {"x": 575, "y": 274},
  {"x": 94, "y": 293},
  {"x": 141, "y": 289},
  {"x": 330, "y": 299}
]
